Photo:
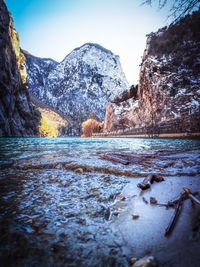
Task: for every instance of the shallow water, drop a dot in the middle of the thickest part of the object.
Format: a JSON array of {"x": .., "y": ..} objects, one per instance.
[{"x": 56, "y": 195}]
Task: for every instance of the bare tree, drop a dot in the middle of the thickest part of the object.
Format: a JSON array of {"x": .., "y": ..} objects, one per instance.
[
  {"x": 91, "y": 126},
  {"x": 178, "y": 8}
]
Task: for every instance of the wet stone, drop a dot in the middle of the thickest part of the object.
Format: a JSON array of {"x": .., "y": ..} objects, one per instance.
[
  {"x": 79, "y": 170},
  {"x": 147, "y": 261}
]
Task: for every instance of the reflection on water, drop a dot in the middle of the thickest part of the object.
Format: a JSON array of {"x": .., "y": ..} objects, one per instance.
[{"x": 56, "y": 216}]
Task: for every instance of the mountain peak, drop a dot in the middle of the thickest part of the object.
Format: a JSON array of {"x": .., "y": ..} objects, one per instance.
[
  {"x": 91, "y": 53},
  {"x": 94, "y": 45}
]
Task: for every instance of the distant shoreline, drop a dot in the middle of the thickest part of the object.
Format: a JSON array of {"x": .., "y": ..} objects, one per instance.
[{"x": 160, "y": 136}]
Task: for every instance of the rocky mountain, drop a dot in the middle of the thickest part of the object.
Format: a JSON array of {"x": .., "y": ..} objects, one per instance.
[
  {"x": 38, "y": 70},
  {"x": 168, "y": 94},
  {"x": 17, "y": 116},
  {"x": 84, "y": 82}
]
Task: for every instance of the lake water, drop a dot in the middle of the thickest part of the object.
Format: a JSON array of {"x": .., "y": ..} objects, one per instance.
[
  {"x": 16, "y": 148},
  {"x": 56, "y": 195}
]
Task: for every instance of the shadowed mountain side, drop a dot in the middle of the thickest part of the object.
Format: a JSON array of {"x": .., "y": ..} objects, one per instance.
[
  {"x": 168, "y": 96},
  {"x": 17, "y": 116}
]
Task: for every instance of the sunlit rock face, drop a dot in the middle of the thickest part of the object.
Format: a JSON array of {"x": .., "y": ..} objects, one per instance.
[
  {"x": 17, "y": 117},
  {"x": 168, "y": 95},
  {"x": 85, "y": 81}
]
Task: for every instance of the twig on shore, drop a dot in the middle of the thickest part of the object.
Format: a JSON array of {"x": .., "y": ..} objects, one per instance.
[
  {"x": 175, "y": 215},
  {"x": 173, "y": 203},
  {"x": 191, "y": 196},
  {"x": 176, "y": 204},
  {"x": 145, "y": 201}
]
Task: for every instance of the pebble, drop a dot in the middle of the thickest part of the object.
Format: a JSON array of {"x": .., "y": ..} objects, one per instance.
[
  {"x": 79, "y": 170},
  {"x": 133, "y": 260},
  {"x": 147, "y": 261},
  {"x": 58, "y": 166},
  {"x": 121, "y": 197},
  {"x": 135, "y": 216}
]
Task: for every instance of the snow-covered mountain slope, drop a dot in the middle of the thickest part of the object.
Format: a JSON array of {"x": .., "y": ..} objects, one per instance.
[
  {"x": 85, "y": 81},
  {"x": 168, "y": 95},
  {"x": 37, "y": 72}
]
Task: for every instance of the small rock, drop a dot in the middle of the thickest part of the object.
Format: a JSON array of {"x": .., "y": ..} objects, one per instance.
[
  {"x": 107, "y": 178},
  {"x": 121, "y": 197},
  {"x": 147, "y": 261},
  {"x": 135, "y": 216},
  {"x": 133, "y": 260},
  {"x": 58, "y": 166},
  {"x": 67, "y": 184},
  {"x": 79, "y": 170},
  {"x": 153, "y": 201}
]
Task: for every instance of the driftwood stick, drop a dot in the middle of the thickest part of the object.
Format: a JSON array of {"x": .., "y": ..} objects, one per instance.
[
  {"x": 191, "y": 196},
  {"x": 170, "y": 204},
  {"x": 145, "y": 201},
  {"x": 175, "y": 216},
  {"x": 146, "y": 183},
  {"x": 173, "y": 203}
]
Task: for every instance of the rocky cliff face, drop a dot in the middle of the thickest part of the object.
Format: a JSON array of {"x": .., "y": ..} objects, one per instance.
[
  {"x": 17, "y": 117},
  {"x": 38, "y": 70},
  {"x": 84, "y": 82},
  {"x": 168, "y": 95}
]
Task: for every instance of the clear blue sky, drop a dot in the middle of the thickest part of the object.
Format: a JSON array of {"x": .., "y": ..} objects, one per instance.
[{"x": 53, "y": 28}]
